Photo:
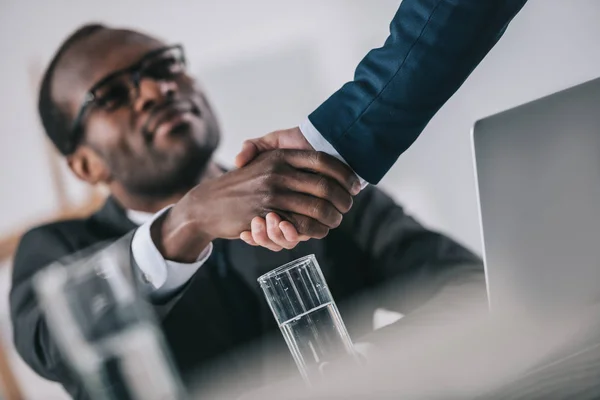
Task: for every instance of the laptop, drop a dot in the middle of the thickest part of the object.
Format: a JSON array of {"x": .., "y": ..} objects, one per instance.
[{"x": 538, "y": 180}]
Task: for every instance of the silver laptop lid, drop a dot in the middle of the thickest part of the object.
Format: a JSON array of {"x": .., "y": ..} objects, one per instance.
[{"x": 538, "y": 177}]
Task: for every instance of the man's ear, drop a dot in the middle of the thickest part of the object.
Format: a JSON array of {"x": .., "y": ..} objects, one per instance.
[{"x": 88, "y": 166}]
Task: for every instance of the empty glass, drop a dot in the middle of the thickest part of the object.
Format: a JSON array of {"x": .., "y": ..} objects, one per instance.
[
  {"x": 106, "y": 332},
  {"x": 307, "y": 316}
]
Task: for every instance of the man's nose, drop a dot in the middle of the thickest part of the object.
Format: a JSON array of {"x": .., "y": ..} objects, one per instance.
[{"x": 153, "y": 92}]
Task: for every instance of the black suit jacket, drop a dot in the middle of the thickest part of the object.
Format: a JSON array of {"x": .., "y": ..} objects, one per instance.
[{"x": 222, "y": 309}]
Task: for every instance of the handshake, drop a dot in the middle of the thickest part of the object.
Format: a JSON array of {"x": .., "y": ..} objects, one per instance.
[{"x": 283, "y": 193}]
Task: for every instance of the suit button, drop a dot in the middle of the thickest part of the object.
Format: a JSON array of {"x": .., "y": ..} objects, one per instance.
[{"x": 146, "y": 278}]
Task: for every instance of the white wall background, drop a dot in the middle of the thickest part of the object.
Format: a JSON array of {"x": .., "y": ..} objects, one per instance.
[{"x": 267, "y": 63}]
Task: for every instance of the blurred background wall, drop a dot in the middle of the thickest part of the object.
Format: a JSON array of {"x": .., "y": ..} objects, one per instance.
[{"x": 266, "y": 64}]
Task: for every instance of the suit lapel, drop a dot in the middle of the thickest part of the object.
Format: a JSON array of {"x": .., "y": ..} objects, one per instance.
[
  {"x": 209, "y": 304},
  {"x": 113, "y": 219}
]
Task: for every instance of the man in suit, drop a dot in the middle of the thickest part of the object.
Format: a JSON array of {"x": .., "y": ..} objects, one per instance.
[
  {"x": 432, "y": 48},
  {"x": 123, "y": 110}
]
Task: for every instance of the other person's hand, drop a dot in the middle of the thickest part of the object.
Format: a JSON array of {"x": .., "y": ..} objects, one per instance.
[
  {"x": 283, "y": 139},
  {"x": 310, "y": 190},
  {"x": 272, "y": 231}
]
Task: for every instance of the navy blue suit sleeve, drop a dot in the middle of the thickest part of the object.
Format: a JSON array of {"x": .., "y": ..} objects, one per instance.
[{"x": 432, "y": 48}]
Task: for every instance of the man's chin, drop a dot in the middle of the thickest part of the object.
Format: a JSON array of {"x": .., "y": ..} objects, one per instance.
[{"x": 178, "y": 180}]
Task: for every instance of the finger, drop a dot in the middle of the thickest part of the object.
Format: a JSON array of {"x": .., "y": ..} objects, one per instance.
[
  {"x": 246, "y": 236},
  {"x": 251, "y": 148},
  {"x": 289, "y": 231},
  {"x": 258, "y": 227},
  {"x": 306, "y": 227},
  {"x": 302, "y": 204},
  {"x": 282, "y": 139},
  {"x": 275, "y": 234},
  {"x": 326, "y": 165},
  {"x": 319, "y": 186},
  {"x": 248, "y": 153}
]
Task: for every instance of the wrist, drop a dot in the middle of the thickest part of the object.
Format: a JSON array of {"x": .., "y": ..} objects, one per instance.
[
  {"x": 302, "y": 141},
  {"x": 179, "y": 238}
]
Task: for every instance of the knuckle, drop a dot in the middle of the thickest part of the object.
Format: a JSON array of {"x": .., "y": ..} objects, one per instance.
[
  {"x": 317, "y": 210},
  {"x": 270, "y": 168},
  {"x": 271, "y": 180},
  {"x": 278, "y": 154},
  {"x": 268, "y": 199},
  {"x": 319, "y": 158},
  {"x": 269, "y": 183},
  {"x": 321, "y": 210},
  {"x": 275, "y": 168},
  {"x": 324, "y": 187},
  {"x": 302, "y": 225}
]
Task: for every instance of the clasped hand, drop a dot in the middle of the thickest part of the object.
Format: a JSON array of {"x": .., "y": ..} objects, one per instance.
[
  {"x": 284, "y": 192},
  {"x": 273, "y": 231}
]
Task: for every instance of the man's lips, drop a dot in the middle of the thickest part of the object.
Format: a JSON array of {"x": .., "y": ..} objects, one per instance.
[{"x": 167, "y": 116}]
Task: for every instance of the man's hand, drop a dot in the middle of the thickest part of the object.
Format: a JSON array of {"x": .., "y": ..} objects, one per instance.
[
  {"x": 310, "y": 190},
  {"x": 272, "y": 232}
]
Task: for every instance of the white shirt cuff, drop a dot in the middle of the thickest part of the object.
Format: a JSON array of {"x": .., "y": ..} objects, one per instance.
[
  {"x": 164, "y": 276},
  {"x": 319, "y": 143}
]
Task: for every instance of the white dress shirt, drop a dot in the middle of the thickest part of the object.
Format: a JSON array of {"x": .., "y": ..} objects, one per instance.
[
  {"x": 319, "y": 143},
  {"x": 165, "y": 276}
]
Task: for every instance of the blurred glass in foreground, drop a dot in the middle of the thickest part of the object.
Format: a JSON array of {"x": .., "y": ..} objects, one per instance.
[
  {"x": 106, "y": 332},
  {"x": 308, "y": 317}
]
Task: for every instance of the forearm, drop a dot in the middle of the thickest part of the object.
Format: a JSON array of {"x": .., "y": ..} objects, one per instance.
[{"x": 432, "y": 48}]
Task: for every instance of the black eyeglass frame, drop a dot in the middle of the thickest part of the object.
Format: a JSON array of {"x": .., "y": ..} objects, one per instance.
[{"x": 135, "y": 72}]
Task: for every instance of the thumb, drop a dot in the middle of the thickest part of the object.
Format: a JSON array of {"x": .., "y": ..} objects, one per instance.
[
  {"x": 247, "y": 154},
  {"x": 251, "y": 148}
]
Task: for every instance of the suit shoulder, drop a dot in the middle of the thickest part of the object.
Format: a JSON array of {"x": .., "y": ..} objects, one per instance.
[
  {"x": 51, "y": 237},
  {"x": 53, "y": 229}
]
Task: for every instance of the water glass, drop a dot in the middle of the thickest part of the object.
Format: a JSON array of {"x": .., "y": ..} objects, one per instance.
[{"x": 307, "y": 316}]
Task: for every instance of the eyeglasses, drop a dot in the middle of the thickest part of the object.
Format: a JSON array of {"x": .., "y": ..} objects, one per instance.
[{"x": 121, "y": 88}]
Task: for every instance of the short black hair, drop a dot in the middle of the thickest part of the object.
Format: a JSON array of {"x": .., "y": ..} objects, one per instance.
[{"x": 56, "y": 122}]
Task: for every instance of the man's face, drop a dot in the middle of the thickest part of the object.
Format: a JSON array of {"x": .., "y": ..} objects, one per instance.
[{"x": 155, "y": 140}]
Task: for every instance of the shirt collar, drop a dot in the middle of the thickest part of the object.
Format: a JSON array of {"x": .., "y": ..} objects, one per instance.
[{"x": 138, "y": 217}]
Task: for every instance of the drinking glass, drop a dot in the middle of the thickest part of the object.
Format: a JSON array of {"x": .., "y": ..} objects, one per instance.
[
  {"x": 106, "y": 332},
  {"x": 307, "y": 316}
]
